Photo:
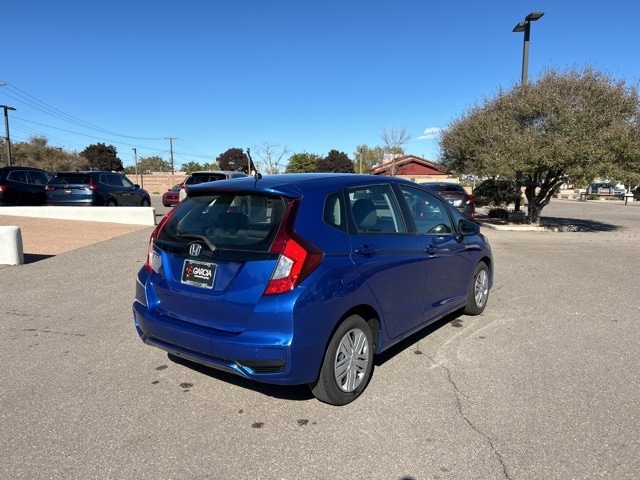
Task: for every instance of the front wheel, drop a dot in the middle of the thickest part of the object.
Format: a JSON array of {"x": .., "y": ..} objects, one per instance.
[
  {"x": 478, "y": 290},
  {"x": 145, "y": 202},
  {"x": 347, "y": 365}
]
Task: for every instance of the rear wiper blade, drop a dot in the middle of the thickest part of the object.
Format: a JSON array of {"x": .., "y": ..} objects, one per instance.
[{"x": 197, "y": 237}]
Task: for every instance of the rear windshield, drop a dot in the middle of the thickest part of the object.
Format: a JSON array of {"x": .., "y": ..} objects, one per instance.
[
  {"x": 445, "y": 188},
  {"x": 71, "y": 178},
  {"x": 200, "y": 178},
  {"x": 226, "y": 221}
]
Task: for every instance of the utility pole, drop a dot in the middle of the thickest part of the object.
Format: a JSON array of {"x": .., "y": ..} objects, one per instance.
[
  {"x": 6, "y": 129},
  {"x": 171, "y": 139},
  {"x": 135, "y": 160}
]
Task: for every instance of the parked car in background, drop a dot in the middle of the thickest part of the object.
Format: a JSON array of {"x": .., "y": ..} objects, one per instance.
[
  {"x": 636, "y": 193},
  {"x": 202, "y": 177},
  {"x": 23, "y": 185},
  {"x": 323, "y": 272},
  {"x": 171, "y": 197},
  {"x": 456, "y": 195},
  {"x": 605, "y": 188},
  {"x": 95, "y": 188}
]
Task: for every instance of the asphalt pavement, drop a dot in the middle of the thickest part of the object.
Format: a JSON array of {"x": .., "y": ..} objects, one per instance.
[{"x": 543, "y": 385}]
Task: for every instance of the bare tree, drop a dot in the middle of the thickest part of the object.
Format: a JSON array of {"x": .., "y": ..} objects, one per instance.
[
  {"x": 271, "y": 156},
  {"x": 393, "y": 139}
]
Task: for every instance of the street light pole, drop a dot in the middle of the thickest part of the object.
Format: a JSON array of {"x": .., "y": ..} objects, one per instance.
[
  {"x": 526, "y": 28},
  {"x": 6, "y": 129}
]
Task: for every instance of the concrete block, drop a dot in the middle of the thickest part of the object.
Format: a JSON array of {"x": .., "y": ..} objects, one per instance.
[{"x": 11, "y": 252}]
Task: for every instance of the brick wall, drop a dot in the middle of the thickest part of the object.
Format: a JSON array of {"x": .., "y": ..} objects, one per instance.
[{"x": 157, "y": 183}]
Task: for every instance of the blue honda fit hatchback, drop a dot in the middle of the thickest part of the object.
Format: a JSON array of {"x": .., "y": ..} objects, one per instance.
[{"x": 302, "y": 278}]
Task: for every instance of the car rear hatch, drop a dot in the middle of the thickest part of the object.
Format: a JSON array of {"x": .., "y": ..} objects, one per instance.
[
  {"x": 211, "y": 258},
  {"x": 70, "y": 187}
]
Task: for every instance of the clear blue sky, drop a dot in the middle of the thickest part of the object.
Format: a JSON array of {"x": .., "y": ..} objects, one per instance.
[{"x": 309, "y": 75}]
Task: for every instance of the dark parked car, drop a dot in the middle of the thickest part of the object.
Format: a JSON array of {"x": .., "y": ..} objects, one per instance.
[
  {"x": 95, "y": 188},
  {"x": 456, "y": 195},
  {"x": 202, "y": 177},
  {"x": 23, "y": 185},
  {"x": 323, "y": 272},
  {"x": 172, "y": 196}
]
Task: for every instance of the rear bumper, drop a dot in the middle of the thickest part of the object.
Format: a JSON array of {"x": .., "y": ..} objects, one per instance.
[{"x": 267, "y": 357}]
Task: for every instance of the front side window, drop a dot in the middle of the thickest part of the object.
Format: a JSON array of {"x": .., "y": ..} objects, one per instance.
[
  {"x": 429, "y": 213},
  {"x": 374, "y": 210}
]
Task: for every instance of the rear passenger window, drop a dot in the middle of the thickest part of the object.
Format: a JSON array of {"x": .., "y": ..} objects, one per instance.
[{"x": 374, "y": 210}]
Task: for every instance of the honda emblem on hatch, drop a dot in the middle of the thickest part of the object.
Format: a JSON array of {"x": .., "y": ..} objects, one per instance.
[{"x": 195, "y": 249}]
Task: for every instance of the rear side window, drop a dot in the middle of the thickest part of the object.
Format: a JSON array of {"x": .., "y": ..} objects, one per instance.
[
  {"x": 374, "y": 209},
  {"x": 228, "y": 221},
  {"x": 38, "y": 178},
  {"x": 334, "y": 212},
  {"x": 18, "y": 176}
]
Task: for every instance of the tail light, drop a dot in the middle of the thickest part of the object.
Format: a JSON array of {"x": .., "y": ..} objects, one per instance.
[
  {"x": 2, "y": 188},
  {"x": 471, "y": 200},
  {"x": 148, "y": 266},
  {"x": 297, "y": 258},
  {"x": 92, "y": 186}
]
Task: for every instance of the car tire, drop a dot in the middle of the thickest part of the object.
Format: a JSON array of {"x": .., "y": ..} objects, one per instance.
[
  {"x": 112, "y": 202},
  {"x": 347, "y": 365},
  {"x": 478, "y": 290},
  {"x": 145, "y": 202}
]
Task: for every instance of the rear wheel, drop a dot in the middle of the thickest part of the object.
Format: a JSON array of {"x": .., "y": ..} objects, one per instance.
[
  {"x": 145, "y": 202},
  {"x": 478, "y": 290},
  {"x": 112, "y": 202},
  {"x": 347, "y": 365}
]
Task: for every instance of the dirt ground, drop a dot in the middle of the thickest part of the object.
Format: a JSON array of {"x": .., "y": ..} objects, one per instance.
[{"x": 42, "y": 236}]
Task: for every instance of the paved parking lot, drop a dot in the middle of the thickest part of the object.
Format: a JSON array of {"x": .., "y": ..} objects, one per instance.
[{"x": 543, "y": 385}]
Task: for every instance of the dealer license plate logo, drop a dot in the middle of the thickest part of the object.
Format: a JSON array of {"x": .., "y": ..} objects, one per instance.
[{"x": 199, "y": 274}]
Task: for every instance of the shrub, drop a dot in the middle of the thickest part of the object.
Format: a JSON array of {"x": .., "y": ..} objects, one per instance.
[{"x": 495, "y": 192}]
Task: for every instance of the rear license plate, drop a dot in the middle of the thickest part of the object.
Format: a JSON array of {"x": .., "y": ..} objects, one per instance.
[{"x": 199, "y": 274}]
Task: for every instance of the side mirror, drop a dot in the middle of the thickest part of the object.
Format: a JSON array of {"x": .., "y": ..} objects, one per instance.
[{"x": 467, "y": 227}]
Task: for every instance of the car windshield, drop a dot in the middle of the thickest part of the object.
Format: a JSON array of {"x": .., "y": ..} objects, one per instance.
[{"x": 226, "y": 220}]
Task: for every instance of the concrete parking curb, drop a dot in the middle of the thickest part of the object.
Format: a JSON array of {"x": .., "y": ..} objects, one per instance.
[{"x": 11, "y": 251}]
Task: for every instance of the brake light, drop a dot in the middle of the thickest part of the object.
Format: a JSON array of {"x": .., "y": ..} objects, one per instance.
[
  {"x": 92, "y": 186},
  {"x": 2, "y": 188},
  {"x": 471, "y": 200},
  {"x": 148, "y": 266},
  {"x": 297, "y": 258}
]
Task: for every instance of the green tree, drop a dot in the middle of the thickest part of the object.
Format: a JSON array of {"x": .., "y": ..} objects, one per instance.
[
  {"x": 302, "y": 163},
  {"x": 335, "y": 161},
  {"x": 153, "y": 164},
  {"x": 102, "y": 157},
  {"x": 574, "y": 124},
  {"x": 234, "y": 159},
  {"x": 367, "y": 158},
  {"x": 192, "y": 167},
  {"x": 37, "y": 153}
]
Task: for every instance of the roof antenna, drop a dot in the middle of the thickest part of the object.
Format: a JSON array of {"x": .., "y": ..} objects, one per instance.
[{"x": 252, "y": 168}]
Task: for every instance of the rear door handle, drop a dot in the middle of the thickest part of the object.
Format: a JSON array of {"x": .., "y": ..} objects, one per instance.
[{"x": 366, "y": 251}]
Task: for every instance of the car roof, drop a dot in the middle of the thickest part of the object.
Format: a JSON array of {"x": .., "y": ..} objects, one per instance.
[
  {"x": 18, "y": 167},
  {"x": 294, "y": 184},
  {"x": 209, "y": 172}
]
